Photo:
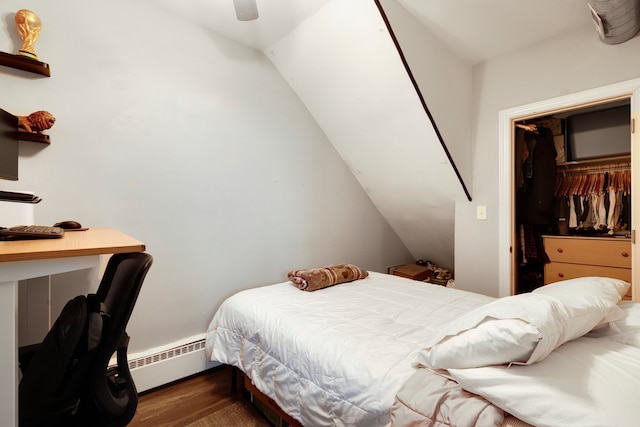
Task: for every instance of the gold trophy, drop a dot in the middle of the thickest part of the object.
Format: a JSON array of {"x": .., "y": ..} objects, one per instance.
[{"x": 29, "y": 26}]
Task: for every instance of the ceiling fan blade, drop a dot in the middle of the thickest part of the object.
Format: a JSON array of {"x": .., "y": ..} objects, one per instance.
[{"x": 246, "y": 10}]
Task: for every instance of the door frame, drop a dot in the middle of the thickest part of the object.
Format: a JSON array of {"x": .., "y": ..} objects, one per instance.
[{"x": 507, "y": 258}]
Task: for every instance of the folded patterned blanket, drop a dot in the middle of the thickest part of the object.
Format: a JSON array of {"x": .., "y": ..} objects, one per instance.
[{"x": 318, "y": 278}]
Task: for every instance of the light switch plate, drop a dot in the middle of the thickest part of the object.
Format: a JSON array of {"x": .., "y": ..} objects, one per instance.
[{"x": 481, "y": 212}]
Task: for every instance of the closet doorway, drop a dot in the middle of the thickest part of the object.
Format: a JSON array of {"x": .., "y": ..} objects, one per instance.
[{"x": 515, "y": 275}]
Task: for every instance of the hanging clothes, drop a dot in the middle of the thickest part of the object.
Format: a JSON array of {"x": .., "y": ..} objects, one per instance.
[
  {"x": 594, "y": 199},
  {"x": 539, "y": 175}
]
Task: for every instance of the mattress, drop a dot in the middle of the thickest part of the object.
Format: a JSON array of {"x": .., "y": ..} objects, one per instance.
[{"x": 337, "y": 356}]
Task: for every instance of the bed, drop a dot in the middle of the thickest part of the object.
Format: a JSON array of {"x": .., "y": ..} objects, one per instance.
[{"x": 373, "y": 352}]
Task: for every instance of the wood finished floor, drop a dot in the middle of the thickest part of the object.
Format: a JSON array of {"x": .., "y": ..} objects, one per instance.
[{"x": 187, "y": 401}]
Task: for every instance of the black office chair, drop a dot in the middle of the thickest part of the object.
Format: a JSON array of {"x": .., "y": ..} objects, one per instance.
[{"x": 66, "y": 379}]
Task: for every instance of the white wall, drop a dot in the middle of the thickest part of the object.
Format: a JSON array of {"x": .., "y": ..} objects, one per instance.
[
  {"x": 191, "y": 143},
  {"x": 572, "y": 63}
]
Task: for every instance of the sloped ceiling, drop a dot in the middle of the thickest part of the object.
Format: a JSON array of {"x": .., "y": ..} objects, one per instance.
[
  {"x": 345, "y": 68},
  {"x": 340, "y": 59}
]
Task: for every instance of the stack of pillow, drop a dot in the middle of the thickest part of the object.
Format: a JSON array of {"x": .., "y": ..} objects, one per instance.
[{"x": 525, "y": 328}]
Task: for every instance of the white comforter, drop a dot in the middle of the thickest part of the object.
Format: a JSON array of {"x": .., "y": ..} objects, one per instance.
[
  {"x": 593, "y": 381},
  {"x": 337, "y": 356}
]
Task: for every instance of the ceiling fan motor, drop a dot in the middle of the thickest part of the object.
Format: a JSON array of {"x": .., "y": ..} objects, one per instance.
[{"x": 246, "y": 10}]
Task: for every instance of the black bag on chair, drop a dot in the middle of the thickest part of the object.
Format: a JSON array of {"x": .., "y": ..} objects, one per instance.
[
  {"x": 67, "y": 380},
  {"x": 58, "y": 365}
]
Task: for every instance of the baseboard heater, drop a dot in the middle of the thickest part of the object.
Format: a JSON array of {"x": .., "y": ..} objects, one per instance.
[
  {"x": 158, "y": 367},
  {"x": 166, "y": 354}
]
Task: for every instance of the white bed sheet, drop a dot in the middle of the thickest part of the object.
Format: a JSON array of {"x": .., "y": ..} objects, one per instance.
[
  {"x": 337, "y": 356},
  {"x": 591, "y": 381}
]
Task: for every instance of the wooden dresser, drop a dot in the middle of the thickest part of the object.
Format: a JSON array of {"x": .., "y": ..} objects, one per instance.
[{"x": 573, "y": 257}]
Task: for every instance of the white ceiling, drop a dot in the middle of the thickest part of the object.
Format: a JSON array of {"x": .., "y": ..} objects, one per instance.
[
  {"x": 475, "y": 29},
  {"x": 478, "y": 30}
]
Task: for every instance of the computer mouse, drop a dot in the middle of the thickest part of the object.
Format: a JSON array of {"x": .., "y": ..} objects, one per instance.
[{"x": 68, "y": 225}]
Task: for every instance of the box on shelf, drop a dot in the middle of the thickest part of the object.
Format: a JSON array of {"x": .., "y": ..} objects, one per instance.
[{"x": 413, "y": 271}]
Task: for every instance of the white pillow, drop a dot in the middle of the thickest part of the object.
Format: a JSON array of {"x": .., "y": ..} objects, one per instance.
[
  {"x": 625, "y": 330},
  {"x": 479, "y": 338},
  {"x": 492, "y": 342},
  {"x": 524, "y": 328},
  {"x": 587, "y": 299},
  {"x": 586, "y": 287}
]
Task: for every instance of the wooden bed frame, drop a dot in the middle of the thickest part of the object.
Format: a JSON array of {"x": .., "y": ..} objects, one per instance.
[{"x": 264, "y": 404}]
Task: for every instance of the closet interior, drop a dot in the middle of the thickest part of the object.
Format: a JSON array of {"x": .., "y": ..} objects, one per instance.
[{"x": 573, "y": 194}]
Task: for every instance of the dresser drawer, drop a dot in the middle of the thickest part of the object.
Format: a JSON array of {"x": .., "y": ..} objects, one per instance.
[
  {"x": 556, "y": 271},
  {"x": 595, "y": 251}
]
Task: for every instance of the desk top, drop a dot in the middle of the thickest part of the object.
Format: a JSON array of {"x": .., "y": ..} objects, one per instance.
[{"x": 94, "y": 241}]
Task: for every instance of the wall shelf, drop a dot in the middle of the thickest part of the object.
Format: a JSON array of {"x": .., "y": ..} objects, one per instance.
[
  {"x": 33, "y": 137},
  {"x": 25, "y": 64},
  {"x": 596, "y": 161}
]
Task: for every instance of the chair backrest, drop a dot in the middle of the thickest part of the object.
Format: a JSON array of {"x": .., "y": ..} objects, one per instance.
[
  {"x": 114, "y": 396},
  {"x": 118, "y": 290},
  {"x": 73, "y": 360}
]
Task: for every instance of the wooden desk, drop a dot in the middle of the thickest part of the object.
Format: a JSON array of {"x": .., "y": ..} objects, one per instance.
[{"x": 27, "y": 259}]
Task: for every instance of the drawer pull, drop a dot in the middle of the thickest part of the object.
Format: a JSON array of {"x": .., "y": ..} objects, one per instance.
[
  {"x": 625, "y": 254},
  {"x": 560, "y": 250},
  {"x": 560, "y": 275}
]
